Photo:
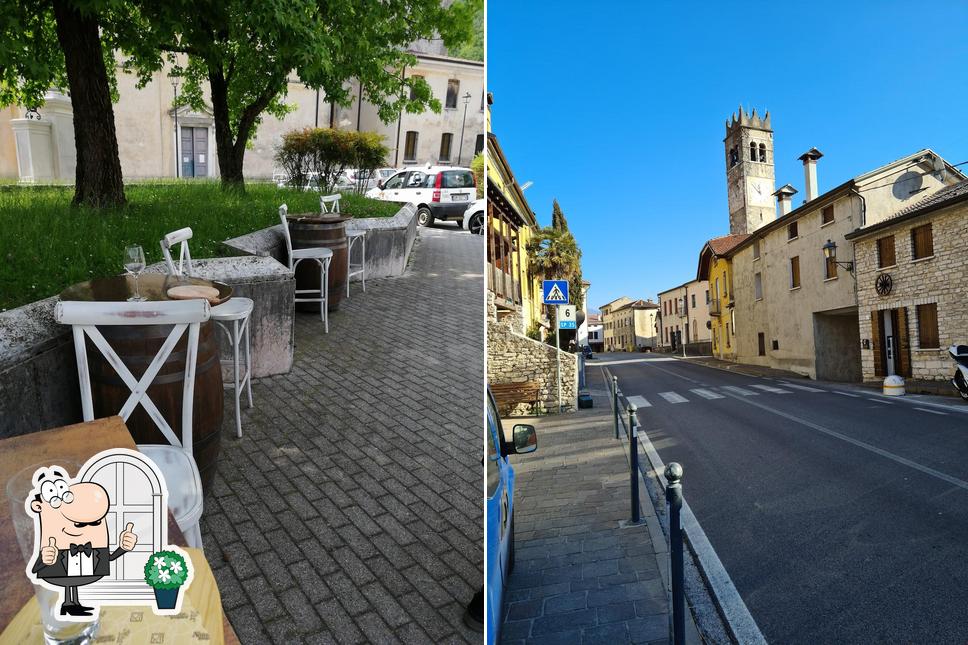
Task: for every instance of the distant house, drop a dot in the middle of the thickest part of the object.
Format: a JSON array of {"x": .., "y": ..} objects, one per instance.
[
  {"x": 596, "y": 332},
  {"x": 684, "y": 314}
]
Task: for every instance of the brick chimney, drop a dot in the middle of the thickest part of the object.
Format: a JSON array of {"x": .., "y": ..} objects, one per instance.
[
  {"x": 784, "y": 197},
  {"x": 809, "y": 159}
]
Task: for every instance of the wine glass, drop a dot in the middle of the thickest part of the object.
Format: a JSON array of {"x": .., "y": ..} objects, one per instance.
[{"x": 134, "y": 263}]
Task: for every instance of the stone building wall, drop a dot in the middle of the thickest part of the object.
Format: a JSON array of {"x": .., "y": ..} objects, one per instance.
[
  {"x": 513, "y": 357},
  {"x": 939, "y": 279}
]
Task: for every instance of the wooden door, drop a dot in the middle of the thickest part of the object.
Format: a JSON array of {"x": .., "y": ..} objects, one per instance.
[{"x": 200, "y": 149}]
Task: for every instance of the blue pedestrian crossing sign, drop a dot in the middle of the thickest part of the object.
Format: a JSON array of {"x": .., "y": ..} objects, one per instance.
[{"x": 555, "y": 292}]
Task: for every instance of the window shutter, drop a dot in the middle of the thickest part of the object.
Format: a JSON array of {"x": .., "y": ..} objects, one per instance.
[
  {"x": 877, "y": 332},
  {"x": 903, "y": 344}
]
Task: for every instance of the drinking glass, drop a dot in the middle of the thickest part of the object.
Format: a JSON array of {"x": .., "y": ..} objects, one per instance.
[
  {"x": 134, "y": 263},
  {"x": 56, "y": 631}
]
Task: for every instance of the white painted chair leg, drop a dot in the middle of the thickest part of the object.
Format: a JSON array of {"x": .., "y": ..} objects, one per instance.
[
  {"x": 248, "y": 362},
  {"x": 235, "y": 367},
  {"x": 363, "y": 262}
]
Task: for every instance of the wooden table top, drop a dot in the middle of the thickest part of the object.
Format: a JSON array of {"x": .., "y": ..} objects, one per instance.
[
  {"x": 153, "y": 287},
  {"x": 75, "y": 443}
]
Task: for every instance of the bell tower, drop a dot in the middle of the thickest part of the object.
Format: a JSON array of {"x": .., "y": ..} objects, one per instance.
[{"x": 749, "y": 171}]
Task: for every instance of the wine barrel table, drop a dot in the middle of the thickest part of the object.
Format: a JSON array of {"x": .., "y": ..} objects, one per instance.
[
  {"x": 313, "y": 230},
  {"x": 137, "y": 346}
]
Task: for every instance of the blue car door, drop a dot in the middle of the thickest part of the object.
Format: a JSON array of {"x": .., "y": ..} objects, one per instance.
[{"x": 500, "y": 480}]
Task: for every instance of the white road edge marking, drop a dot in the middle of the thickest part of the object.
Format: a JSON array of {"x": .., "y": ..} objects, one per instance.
[
  {"x": 672, "y": 397},
  {"x": 735, "y": 611},
  {"x": 771, "y": 389},
  {"x": 639, "y": 401},
  {"x": 841, "y": 393},
  {"x": 862, "y": 444},
  {"x": 944, "y": 414}
]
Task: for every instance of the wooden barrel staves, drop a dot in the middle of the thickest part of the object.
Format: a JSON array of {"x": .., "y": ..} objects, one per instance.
[
  {"x": 311, "y": 230},
  {"x": 137, "y": 347}
]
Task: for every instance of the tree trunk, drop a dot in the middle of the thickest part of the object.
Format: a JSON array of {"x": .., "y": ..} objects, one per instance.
[
  {"x": 98, "y": 180},
  {"x": 229, "y": 157}
]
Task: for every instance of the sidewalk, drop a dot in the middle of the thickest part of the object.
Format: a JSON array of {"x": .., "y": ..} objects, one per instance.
[
  {"x": 579, "y": 577},
  {"x": 351, "y": 510}
]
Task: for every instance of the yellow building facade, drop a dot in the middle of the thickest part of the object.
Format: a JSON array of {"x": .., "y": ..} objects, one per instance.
[
  {"x": 716, "y": 267},
  {"x": 510, "y": 226}
]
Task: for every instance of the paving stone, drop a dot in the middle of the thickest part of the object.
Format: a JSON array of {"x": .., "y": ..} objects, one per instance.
[
  {"x": 606, "y": 635},
  {"x": 328, "y": 540},
  {"x": 523, "y": 609},
  {"x": 618, "y": 612},
  {"x": 651, "y": 628},
  {"x": 565, "y": 603},
  {"x": 563, "y": 622}
]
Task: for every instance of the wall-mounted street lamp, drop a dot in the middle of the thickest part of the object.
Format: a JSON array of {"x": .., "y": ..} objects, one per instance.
[
  {"x": 830, "y": 253},
  {"x": 467, "y": 99}
]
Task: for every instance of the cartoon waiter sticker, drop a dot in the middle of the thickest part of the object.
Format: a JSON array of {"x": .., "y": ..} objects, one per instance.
[{"x": 73, "y": 536}]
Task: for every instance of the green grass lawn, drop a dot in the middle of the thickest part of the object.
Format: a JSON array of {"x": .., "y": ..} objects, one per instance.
[{"x": 46, "y": 245}]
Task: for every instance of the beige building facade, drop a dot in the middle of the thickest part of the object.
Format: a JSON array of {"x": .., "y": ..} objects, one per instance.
[
  {"x": 684, "y": 313},
  {"x": 634, "y": 326},
  {"x": 794, "y": 308},
  {"x": 912, "y": 295},
  {"x": 149, "y": 146},
  {"x": 608, "y": 319}
]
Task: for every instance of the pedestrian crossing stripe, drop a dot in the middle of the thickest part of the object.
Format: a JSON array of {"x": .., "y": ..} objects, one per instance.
[
  {"x": 639, "y": 401},
  {"x": 735, "y": 389},
  {"x": 770, "y": 388},
  {"x": 805, "y": 388},
  {"x": 707, "y": 394},
  {"x": 672, "y": 397}
]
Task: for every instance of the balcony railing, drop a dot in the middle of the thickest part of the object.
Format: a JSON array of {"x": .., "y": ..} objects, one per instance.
[{"x": 506, "y": 289}]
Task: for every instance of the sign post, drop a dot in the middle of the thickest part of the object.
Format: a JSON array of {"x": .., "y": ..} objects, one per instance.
[{"x": 555, "y": 292}]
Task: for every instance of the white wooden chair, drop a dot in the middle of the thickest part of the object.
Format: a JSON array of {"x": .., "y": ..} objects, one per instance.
[
  {"x": 175, "y": 461},
  {"x": 355, "y": 238},
  {"x": 322, "y": 256},
  {"x": 236, "y": 311},
  {"x": 329, "y": 203}
]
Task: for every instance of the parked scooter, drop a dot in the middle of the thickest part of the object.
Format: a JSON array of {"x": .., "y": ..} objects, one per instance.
[{"x": 959, "y": 353}]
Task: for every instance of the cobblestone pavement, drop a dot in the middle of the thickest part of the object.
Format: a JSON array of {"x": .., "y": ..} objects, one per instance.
[
  {"x": 579, "y": 577},
  {"x": 351, "y": 510}
]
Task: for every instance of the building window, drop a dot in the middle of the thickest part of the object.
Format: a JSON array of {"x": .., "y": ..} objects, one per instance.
[
  {"x": 693, "y": 301},
  {"x": 758, "y": 286},
  {"x": 761, "y": 344},
  {"x": 830, "y": 268},
  {"x": 922, "y": 242},
  {"x": 410, "y": 148},
  {"x": 827, "y": 215},
  {"x": 795, "y": 272},
  {"x": 928, "y": 326},
  {"x": 885, "y": 252},
  {"x": 695, "y": 331},
  {"x": 793, "y": 231},
  {"x": 763, "y": 152},
  {"x": 453, "y": 89},
  {"x": 445, "y": 143},
  {"x": 756, "y": 249},
  {"x": 707, "y": 296},
  {"x": 752, "y": 151},
  {"x": 479, "y": 145},
  {"x": 733, "y": 157},
  {"x": 413, "y": 93},
  {"x": 727, "y": 334}
]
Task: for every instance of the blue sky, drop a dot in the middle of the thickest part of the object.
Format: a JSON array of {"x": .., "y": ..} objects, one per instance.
[{"x": 619, "y": 110}]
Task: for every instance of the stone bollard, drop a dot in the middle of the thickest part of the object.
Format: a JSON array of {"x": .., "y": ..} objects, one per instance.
[{"x": 894, "y": 386}]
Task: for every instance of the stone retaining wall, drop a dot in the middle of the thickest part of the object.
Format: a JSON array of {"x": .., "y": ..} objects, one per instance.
[
  {"x": 512, "y": 357},
  {"x": 389, "y": 241}
]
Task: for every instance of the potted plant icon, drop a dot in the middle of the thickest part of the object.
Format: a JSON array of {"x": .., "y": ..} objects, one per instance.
[{"x": 166, "y": 572}]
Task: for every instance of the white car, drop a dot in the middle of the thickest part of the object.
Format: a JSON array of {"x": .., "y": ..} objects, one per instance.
[
  {"x": 474, "y": 217},
  {"x": 439, "y": 192}
]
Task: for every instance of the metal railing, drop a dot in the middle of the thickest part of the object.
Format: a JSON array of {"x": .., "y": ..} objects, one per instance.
[{"x": 673, "y": 493}]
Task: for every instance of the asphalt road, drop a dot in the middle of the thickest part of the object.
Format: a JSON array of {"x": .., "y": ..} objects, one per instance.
[{"x": 841, "y": 517}]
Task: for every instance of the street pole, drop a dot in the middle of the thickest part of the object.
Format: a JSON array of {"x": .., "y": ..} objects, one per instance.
[
  {"x": 558, "y": 356},
  {"x": 460, "y": 154},
  {"x": 615, "y": 402},
  {"x": 673, "y": 474},
  {"x": 634, "y": 463},
  {"x": 174, "y": 84}
]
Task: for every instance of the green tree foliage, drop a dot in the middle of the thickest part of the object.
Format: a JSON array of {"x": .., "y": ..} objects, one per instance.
[
  {"x": 70, "y": 44},
  {"x": 477, "y": 167},
  {"x": 248, "y": 51},
  {"x": 553, "y": 253},
  {"x": 473, "y": 48}
]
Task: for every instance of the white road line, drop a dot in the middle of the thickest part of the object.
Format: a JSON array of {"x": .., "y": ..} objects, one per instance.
[
  {"x": 805, "y": 388},
  {"x": 706, "y": 394},
  {"x": 735, "y": 389},
  {"x": 630, "y": 361},
  {"x": 855, "y": 396},
  {"x": 880, "y": 401},
  {"x": 638, "y": 401},
  {"x": 672, "y": 397},
  {"x": 771, "y": 389},
  {"x": 960, "y": 483},
  {"x": 944, "y": 414}
]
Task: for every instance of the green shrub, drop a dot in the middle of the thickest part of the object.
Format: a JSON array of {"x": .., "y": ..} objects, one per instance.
[
  {"x": 477, "y": 166},
  {"x": 324, "y": 153}
]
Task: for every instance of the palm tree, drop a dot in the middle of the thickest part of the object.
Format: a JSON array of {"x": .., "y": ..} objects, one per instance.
[{"x": 554, "y": 254}]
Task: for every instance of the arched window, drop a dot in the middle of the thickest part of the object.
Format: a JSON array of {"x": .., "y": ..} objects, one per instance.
[
  {"x": 733, "y": 157},
  {"x": 752, "y": 151},
  {"x": 763, "y": 152}
]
